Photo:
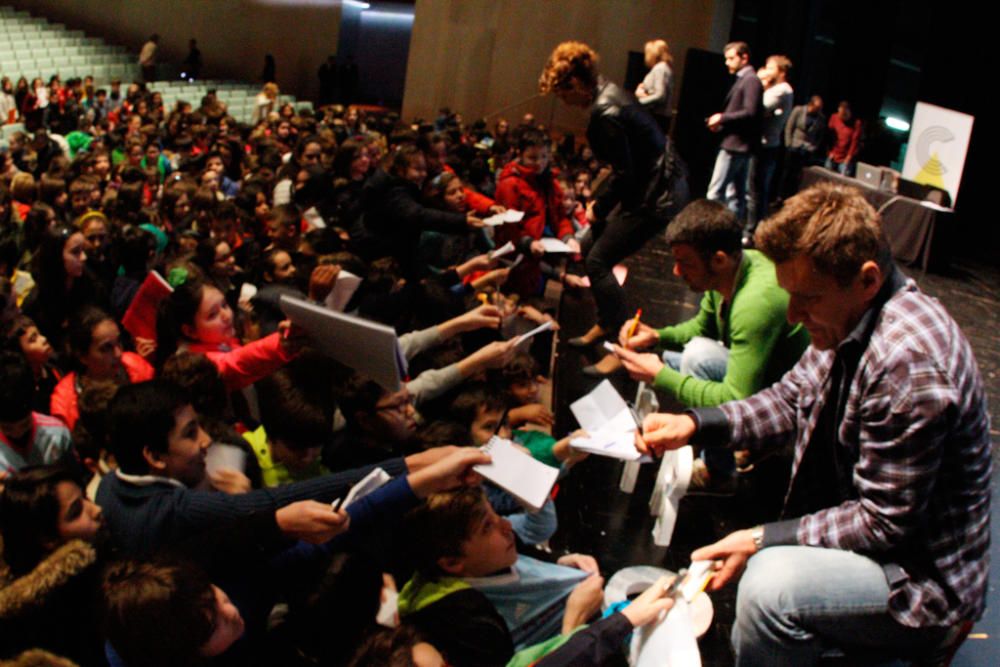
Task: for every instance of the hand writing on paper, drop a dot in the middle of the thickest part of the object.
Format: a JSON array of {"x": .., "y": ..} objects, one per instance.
[
  {"x": 474, "y": 221},
  {"x": 662, "y": 431},
  {"x": 733, "y": 551},
  {"x": 643, "y": 337},
  {"x": 642, "y": 367}
]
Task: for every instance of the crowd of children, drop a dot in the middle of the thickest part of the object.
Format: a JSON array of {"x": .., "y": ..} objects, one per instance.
[{"x": 168, "y": 473}]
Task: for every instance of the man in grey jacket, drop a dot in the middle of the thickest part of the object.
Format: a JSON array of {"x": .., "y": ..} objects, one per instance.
[{"x": 740, "y": 123}]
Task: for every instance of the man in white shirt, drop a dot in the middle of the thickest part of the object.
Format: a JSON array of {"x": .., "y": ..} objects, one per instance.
[
  {"x": 147, "y": 58},
  {"x": 778, "y": 97}
]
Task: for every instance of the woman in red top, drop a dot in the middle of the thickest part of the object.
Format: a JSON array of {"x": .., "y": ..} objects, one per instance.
[{"x": 95, "y": 342}]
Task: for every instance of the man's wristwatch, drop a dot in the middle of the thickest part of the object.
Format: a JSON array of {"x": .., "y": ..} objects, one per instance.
[{"x": 757, "y": 535}]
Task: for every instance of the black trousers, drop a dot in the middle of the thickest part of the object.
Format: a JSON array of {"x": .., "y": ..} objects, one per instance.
[{"x": 612, "y": 240}]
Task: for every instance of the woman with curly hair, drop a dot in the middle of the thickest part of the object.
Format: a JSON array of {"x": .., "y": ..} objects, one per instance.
[{"x": 646, "y": 188}]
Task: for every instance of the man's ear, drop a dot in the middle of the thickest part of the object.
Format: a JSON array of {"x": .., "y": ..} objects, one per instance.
[
  {"x": 871, "y": 278},
  {"x": 155, "y": 460},
  {"x": 719, "y": 261},
  {"x": 453, "y": 565}
]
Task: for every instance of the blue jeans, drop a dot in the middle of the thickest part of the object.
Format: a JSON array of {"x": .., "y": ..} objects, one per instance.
[
  {"x": 794, "y": 603},
  {"x": 731, "y": 169},
  {"x": 843, "y": 168},
  {"x": 705, "y": 359}
]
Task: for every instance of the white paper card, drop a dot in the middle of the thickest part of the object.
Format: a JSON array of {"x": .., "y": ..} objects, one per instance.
[
  {"x": 505, "y": 249},
  {"x": 343, "y": 289},
  {"x": 598, "y": 407},
  {"x": 507, "y": 216},
  {"x": 669, "y": 642},
  {"x": 544, "y": 326},
  {"x": 225, "y": 457},
  {"x": 518, "y": 473},
  {"x": 554, "y": 245},
  {"x": 371, "y": 481}
]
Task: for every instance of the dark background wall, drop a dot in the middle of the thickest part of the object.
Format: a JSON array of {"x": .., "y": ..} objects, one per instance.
[{"x": 884, "y": 56}]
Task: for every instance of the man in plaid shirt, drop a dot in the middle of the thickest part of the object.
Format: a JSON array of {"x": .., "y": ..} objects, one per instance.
[{"x": 883, "y": 542}]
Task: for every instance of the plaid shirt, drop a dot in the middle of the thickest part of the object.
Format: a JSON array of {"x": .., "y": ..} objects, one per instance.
[{"x": 916, "y": 428}]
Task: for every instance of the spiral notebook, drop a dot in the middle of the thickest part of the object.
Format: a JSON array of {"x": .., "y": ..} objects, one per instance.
[{"x": 515, "y": 471}]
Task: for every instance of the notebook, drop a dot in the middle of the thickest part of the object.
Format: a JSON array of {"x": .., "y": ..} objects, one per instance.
[
  {"x": 140, "y": 318},
  {"x": 370, "y": 348}
]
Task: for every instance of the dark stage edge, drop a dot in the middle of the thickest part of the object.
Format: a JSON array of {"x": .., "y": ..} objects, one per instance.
[{"x": 596, "y": 518}]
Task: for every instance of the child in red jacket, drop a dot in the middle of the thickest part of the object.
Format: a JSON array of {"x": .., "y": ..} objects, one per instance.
[{"x": 528, "y": 184}]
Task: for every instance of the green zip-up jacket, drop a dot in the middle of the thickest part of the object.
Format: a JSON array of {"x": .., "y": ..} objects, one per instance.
[{"x": 762, "y": 344}]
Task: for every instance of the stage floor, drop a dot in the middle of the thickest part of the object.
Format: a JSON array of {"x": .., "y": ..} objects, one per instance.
[{"x": 596, "y": 518}]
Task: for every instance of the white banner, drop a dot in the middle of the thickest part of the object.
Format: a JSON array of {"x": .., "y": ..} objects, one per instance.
[{"x": 939, "y": 141}]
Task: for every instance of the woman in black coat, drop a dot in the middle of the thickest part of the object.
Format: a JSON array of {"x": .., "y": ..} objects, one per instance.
[{"x": 646, "y": 188}]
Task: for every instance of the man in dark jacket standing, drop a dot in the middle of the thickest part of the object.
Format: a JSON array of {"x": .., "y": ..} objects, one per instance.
[{"x": 740, "y": 122}]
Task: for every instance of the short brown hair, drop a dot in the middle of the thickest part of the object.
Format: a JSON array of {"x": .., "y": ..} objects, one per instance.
[
  {"x": 157, "y": 614},
  {"x": 831, "y": 224},
  {"x": 741, "y": 48},
  {"x": 569, "y": 60},
  {"x": 439, "y": 526}
]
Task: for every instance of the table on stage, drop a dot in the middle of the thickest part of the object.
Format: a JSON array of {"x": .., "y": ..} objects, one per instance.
[{"x": 909, "y": 224}]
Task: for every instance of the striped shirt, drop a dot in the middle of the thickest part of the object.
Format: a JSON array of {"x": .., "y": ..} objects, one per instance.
[{"x": 915, "y": 432}]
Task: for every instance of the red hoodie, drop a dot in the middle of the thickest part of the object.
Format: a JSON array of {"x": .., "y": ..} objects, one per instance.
[{"x": 518, "y": 188}]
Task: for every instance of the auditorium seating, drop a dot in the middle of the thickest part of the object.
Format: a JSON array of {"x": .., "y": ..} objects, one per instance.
[{"x": 31, "y": 47}]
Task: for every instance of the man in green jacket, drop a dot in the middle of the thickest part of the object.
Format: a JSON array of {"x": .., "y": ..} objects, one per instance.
[{"x": 739, "y": 342}]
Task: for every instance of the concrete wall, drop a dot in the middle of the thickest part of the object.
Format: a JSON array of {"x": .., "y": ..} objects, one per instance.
[
  {"x": 233, "y": 35},
  {"x": 480, "y": 56}
]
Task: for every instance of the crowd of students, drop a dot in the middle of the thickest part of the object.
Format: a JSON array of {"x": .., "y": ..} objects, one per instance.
[{"x": 125, "y": 542}]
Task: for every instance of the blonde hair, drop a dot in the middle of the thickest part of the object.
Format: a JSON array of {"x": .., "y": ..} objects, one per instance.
[
  {"x": 569, "y": 60},
  {"x": 660, "y": 50},
  {"x": 271, "y": 89}
]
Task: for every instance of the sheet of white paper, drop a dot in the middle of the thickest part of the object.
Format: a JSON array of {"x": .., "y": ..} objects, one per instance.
[
  {"x": 598, "y": 407},
  {"x": 371, "y": 481},
  {"x": 388, "y": 611},
  {"x": 370, "y": 348},
  {"x": 505, "y": 249},
  {"x": 554, "y": 245},
  {"x": 698, "y": 575},
  {"x": 614, "y": 444},
  {"x": 544, "y": 326},
  {"x": 515, "y": 471},
  {"x": 225, "y": 457},
  {"x": 669, "y": 642},
  {"x": 247, "y": 292},
  {"x": 343, "y": 289},
  {"x": 507, "y": 216}
]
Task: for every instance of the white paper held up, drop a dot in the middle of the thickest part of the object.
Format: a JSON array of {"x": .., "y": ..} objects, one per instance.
[
  {"x": 528, "y": 480},
  {"x": 370, "y": 348},
  {"x": 343, "y": 289}
]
